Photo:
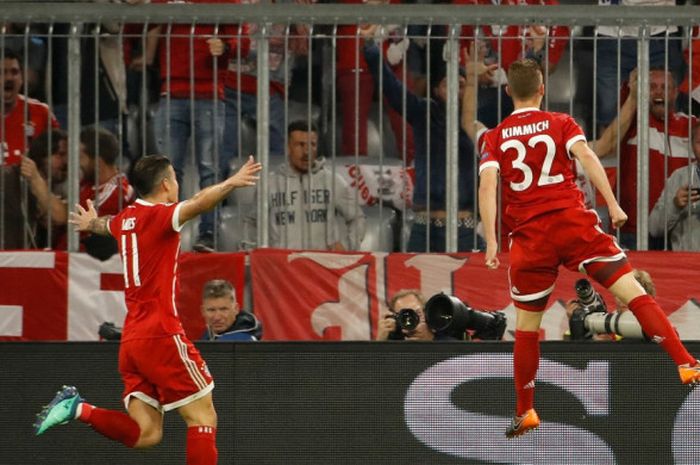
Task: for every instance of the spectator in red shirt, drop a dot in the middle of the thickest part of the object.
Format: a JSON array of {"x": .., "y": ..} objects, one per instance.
[{"x": 16, "y": 132}]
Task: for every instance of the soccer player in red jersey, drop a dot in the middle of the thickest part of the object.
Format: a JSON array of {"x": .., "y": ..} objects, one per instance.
[
  {"x": 160, "y": 367},
  {"x": 533, "y": 152}
]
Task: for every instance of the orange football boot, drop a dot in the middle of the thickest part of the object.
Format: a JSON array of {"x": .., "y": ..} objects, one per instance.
[
  {"x": 524, "y": 423},
  {"x": 688, "y": 374}
]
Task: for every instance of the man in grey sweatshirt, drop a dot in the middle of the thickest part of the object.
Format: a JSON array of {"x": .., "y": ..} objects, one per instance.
[
  {"x": 678, "y": 208},
  {"x": 308, "y": 203}
]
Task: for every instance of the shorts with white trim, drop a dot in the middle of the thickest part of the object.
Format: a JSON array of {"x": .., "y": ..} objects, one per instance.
[
  {"x": 165, "y": 372},
  {"x": 570, "y": 237}
]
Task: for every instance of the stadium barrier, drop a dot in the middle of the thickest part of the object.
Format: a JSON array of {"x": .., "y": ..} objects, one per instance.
[
  {"x": 301, "y": 295},
  {"x": 375, "y": 404}
]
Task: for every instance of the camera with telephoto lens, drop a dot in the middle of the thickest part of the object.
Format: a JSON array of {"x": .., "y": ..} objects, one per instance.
[
  {"x": 446, "y": 315},
  {"x": 406, "y": 319},
  {"x": 591, "y": 317}
]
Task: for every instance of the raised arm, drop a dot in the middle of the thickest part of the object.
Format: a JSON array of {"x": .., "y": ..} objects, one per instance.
[
  {"x": 474, "y": 70},
  {"x": 46, "y": 200},
  {"x": 394, "y": 90},
  {"x": 606, "y": 143},
  {"x": 208, "y": 198}
]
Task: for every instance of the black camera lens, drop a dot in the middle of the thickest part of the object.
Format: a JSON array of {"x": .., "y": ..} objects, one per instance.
[
  {"x": 446, "y": 314},
  {"x": 584, "y": 291},
  {"x": 407, "y": 319}
]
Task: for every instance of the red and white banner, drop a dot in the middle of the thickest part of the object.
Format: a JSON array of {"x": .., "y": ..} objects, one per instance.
[
  {"x": 60, "y": 296},
  {"x": 390, "y": 183},
  {"x": 301, "y": 295}
]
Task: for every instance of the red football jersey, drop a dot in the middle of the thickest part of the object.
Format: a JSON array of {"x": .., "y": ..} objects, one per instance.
[
  {"x": 149, "y": 243},
  {"x": 18, "y": 133},
  {"x": 530, "y": 148}
]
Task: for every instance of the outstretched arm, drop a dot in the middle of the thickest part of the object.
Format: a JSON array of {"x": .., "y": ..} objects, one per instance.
[
  {"x": 208, "y": 198},
  {"x": 87, "y": 220}
]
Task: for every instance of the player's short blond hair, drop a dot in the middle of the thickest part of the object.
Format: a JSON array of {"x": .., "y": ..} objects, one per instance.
[{"x": 524, "y": 78}]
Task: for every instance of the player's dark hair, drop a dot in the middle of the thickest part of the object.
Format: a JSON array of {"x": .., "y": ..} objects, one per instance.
[
  {"x": 100, "y": 142},
  {"x": 524, "y": 78},
  {"x": 148, "y": 173}
]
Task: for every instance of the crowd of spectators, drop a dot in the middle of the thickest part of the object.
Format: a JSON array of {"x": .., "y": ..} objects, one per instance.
[{"x": 202, "y": 80}]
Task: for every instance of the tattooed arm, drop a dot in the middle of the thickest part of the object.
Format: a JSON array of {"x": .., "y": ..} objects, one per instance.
[{"x": 87, "y": 220}]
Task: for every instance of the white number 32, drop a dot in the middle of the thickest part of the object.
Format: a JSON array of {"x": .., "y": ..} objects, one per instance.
[{"x": 519, "y": 163}]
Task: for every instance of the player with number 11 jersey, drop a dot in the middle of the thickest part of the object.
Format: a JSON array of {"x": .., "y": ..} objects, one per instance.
[{"x": 149, "y": 244}]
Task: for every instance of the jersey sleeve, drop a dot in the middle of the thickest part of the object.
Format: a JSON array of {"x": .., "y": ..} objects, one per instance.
[
  {"x": 175, "y": 216},
  {"x": 113, "y": 225},
  {"x": 488, "y": 154},
  {"x": 571, "y": 133}
]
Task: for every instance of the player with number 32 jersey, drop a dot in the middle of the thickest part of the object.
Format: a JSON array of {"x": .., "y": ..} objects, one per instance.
[{"x": 545, "y": 181}]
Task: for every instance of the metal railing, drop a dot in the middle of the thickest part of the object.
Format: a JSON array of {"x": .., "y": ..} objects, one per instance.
[{"x": 442, "y": 24}]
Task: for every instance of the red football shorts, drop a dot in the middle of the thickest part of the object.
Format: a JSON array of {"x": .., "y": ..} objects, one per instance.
[
  {"x": 165, "y": 372},
  {"x": 571, "y": 237}
]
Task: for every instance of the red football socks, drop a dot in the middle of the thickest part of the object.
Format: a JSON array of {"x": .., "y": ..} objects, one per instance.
[
  {"x": 111, "y": 424},
  {"x": 526, "y": 360},
  {"x": 201, "y": 445},
  {"x": 655, "y": 324}
]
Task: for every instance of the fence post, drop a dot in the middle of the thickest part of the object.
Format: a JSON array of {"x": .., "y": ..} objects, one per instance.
[
  {"x": 74, "y": 72},
  {"x": 452, "y": 142},
  {"x": 643, "y": 145},
  {"x": 262, "y": 129}
]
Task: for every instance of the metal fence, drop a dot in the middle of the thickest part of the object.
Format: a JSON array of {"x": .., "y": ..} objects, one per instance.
[{"x": 209, "y": 84}]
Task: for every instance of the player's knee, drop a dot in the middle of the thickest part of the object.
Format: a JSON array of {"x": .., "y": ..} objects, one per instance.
[
  {"x": 149, "y": 438},
  {"x": 206, "y": 416},
  {"x": 200, "y": 412}
]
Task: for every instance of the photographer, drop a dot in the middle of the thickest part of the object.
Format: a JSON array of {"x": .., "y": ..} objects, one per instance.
[
  {"x": 441, "y": 318},
  {"x": 575, "y": 305},
  {"x": 390, "y": 326}
]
